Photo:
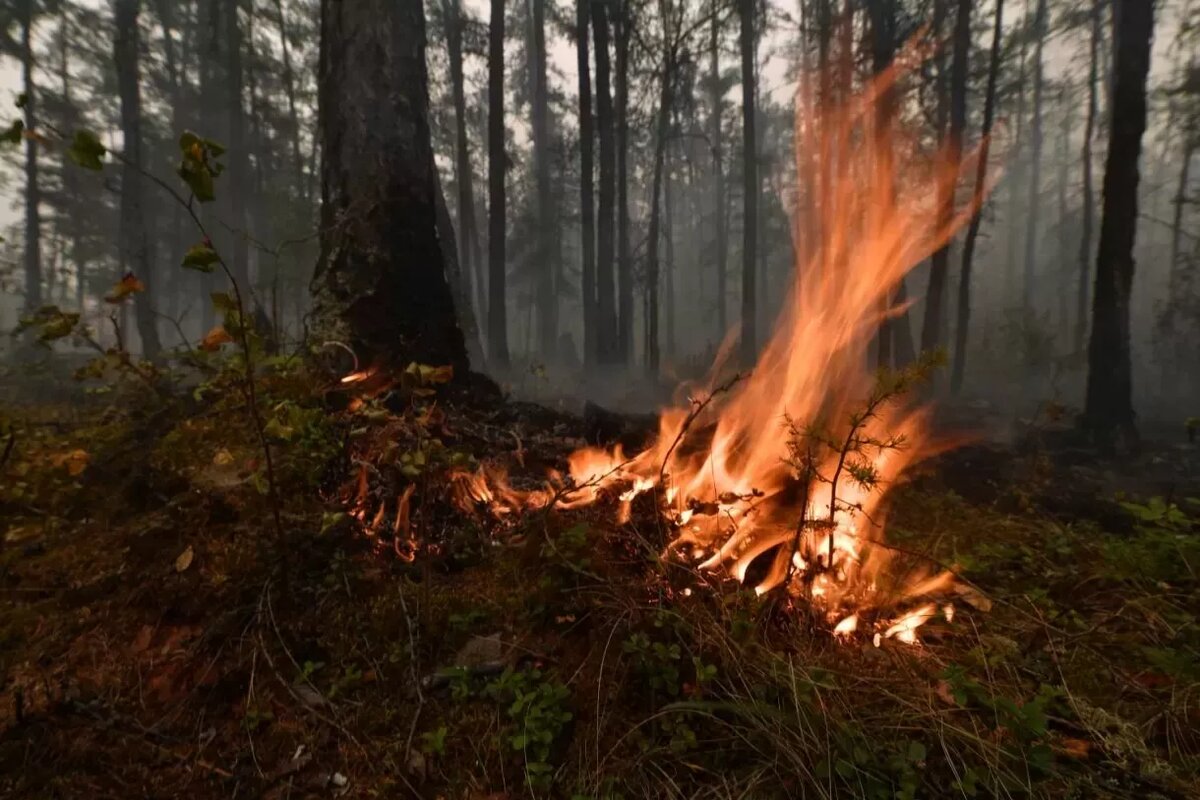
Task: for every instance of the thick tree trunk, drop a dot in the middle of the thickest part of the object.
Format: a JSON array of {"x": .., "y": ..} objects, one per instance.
[
  {"x": 587, "y": 210},
  {"x": 381, "y": 284},
  {"x": 749, "y": 343},
  {"x": 1087, "y": 222},
  {"x": 931, "y": 330},
  {"x": 33, "y": 197},
  {"x": 497, "y": 315},
  {"x": 134, "y": 245},
  {"x": 963, "y": 324},
  {"x": 717, "y": 102},
  {"x": 1032, "y": 210},
  {"x": 1109, "y": 405},
  {"x": 624, "y": 247},
  {"x": 608, "y": 341}
]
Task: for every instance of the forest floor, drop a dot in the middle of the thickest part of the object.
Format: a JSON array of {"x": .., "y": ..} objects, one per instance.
[{"x": 160, "y": 637}]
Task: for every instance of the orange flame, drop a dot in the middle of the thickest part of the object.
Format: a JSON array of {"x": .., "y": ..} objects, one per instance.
[{"x": 874, "y": 217}]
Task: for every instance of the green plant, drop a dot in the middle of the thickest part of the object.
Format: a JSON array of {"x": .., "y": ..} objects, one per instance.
[
  {"x": 434, "y": 742},
  {"x": 537, "y": 713}
]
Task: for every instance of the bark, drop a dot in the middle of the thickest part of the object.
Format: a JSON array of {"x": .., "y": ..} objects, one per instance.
[
  {"x": 609, "y": 342},
  {"x": 669, "y": 248},
  {"x": 1087, "y": 223},
  {"x": 660, "y": 144},
  {"x": 624, "y": 251},
  {"x": 172, "y": 279},
  {"x": 1032, "y": 210},
  {"x": 1180, "y": 200},
  {"x": 547, "y": 264},
  {"x": 239, "y": 163},
  {"x": 931, "y": 331},
  {"x": 289, "y": 88},
  {"x": 1109, "y": 405},
  {"x": 749, "y": 344},
  {"x": 33, "y": 197},
  {"x": 1014, "y": 182},
  {"x": 587, "y": 210},
  {"x": 381, "y": 283},
  {"x": 717, "y": 102},
  {"x": 467, "y": 249},
  {"x": 963, "y": 324},
  {"x": 497, "y": 315},
  {"x": 133, "y": 240}
]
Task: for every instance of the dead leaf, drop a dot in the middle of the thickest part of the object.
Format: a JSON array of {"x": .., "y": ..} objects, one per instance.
[
  {"x": 973, "y": 597},
  {"x": 943, "y": 691},
  {"x": 222, "y": 458},
  {"x": 1076, "y": 748},
  {"x": 310, "y": 696},
  {"x": 127, "y": 286},
  {"x": 416, "y": 764},
  {"x": 184, "y": 559},
  {"x": 213, "y": 340},
  {"x": 142, "y": 642}
]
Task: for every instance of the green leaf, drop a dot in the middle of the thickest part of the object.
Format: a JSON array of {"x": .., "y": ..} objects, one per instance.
[
  {"x": 86, "y": 150},
  {"x": 224, "y": 302},
  {"x": 14, "y": 133},
  {"x": 201, "y": 257},
  {"x": 22, "y": 100}
]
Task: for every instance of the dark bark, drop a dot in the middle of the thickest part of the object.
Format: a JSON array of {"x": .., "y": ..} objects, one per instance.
[
  {"x": 624, "y": 248},
  {"x": 964, "y": 283},
  {"x": 1087, "y": 222},
  {"x": 1180, "y": 201},
  {"x": 381, "y": 283},
  {"x": 1032, "y": 210},
  {"x": 33, "y": 197},
  {"x": 1109, "y": 405},
  {"x": 1014, "y": 180},
  {"x": 172, "y": 278},
  {"x": 931, "y": 330},
  {"x": 133, "y": 240},
  {"x": 547, "y": 263},
  {"x": 669, "y": 253},
  {"x": 749, "y": 344},
  {"x": 608, "y": 341},
  {"x": 239, "y": 163},
  {"x": 717, "y": 102},
  {"x": 497, "y": 315},
  {"x": 587, "y": 210}
]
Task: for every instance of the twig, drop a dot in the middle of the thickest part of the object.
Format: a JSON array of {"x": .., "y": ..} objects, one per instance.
[{"x": 697, "y": 408}]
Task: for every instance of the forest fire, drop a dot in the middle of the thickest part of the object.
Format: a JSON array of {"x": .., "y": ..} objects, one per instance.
[{"x": 791, "y": 461}]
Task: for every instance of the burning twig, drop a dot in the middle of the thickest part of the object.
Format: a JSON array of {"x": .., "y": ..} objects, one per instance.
[{"x": 697, "y": 408}]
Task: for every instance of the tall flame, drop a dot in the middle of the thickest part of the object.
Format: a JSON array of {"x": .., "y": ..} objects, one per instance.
[{"x": 873, "y": 216}]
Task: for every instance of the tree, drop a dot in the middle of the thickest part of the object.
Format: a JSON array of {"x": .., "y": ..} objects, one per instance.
[
  {"x": 33, "y": 218},
  {"x": 931, "y": 330},
  {"x": 608, "y": 343},
  {"x": 497, "y": 315},
  {"x": 964, "y": 282},
  {"x": 1088, "y": 210},
  {"x": 239, "y": 162},
  {"x": 587, "y": 211},
  {"x": 749, "y": 346},
  {"x": 134, "y": 244},
  {"x": 1108, "y": 407},
  {"x": 660, "y": 145},
  {"x": 624, "y": 27},
  {"x": 716, "y": 102},
  {"x": 1032, "y": 210},
  {"x": 547, "y": 261},
  {"x": 381, "y": 283}
]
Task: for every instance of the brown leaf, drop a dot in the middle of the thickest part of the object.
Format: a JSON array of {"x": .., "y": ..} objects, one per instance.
[
  {"x": 213, "y": 340},
  {"x": 1076, "y": 748},
  {"x": 184, "y": 559},
  {"x": 127, "y": 286}
]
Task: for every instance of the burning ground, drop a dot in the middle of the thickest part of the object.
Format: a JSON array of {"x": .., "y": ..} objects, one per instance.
[{"x": 160, "y": 641}]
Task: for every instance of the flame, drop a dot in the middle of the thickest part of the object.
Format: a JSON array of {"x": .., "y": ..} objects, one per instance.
[{"x": 733, "y": 497}]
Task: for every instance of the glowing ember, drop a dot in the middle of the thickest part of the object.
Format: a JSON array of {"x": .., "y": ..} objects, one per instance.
[{"x": 754, "y": 483}]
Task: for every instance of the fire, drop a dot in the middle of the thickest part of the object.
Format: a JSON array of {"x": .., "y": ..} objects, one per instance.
[{"x": 724, "y": 465}]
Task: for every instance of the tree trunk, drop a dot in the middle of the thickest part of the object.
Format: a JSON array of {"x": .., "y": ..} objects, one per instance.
[
  {"x": 1087, "y": 222},
  {"x": 608, "y": 340},
  {"x": 624, "y": 250},
  {"x": 173, "y": 278},
  {"x": 381, "y": 283},
  {"x": 749, "y": 344},
  {"x": 1032, "y": 210},
  {"x": 133, "y": 247},
  {"x": 1014, "y": 157},
  {"x": 669, "y": 248},
  {"x": 497, "y": 315},
  {"x": 964, "y": 282},
  {"x": 660, "y": 146},
  {"x": 464, "y": 180},
  {"x": 587, "y": 211},
  {"x": 33, "y": 197},
  {"x": 1109, "y": 405},
  {"x": 931, "y": 331},
  {"x": 239, "y": 163},
  {"x": 289, "y": 88},
  {"x": 547, "y": 264},
  {"x": 716, "y": 100}
]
